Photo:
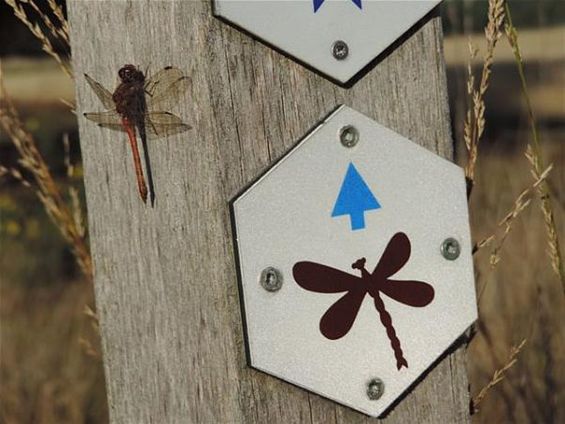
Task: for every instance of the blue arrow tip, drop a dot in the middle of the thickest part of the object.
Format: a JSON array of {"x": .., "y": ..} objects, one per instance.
[{"x": 354, "y": 199}]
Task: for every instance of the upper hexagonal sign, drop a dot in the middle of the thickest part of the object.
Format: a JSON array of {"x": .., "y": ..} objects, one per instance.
[
  {"x": 336, "y": 37},
  {"x": 355, "y": 263}
]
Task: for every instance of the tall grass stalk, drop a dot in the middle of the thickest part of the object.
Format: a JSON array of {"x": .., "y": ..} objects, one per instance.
[
  {"x": 506, "y": 224},
  {"x": 534, "y": 154},
  {"x": 475, "y": 118},
  {"x": 474, "y": 127}
]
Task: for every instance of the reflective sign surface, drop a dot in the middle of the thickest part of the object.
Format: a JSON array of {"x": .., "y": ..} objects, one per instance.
[
  {"x": 336, "y": 37},
  {"x": 355, "y": 262}
]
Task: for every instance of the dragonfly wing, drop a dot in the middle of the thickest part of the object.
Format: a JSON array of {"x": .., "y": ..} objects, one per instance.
[
  {"x": 339, "y": 318},
  {"x": 395, "y": 256},
  {"x": 163, "y": 124},
  {"x": 412, "y": 293},
  {"x": 103, "y": 94},
  {"x": 109, "y": 119},
  {"x": 166, "y": 88},
  {"x": 323, "y": 279}
]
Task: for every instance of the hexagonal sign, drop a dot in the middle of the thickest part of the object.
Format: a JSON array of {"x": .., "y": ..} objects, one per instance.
[
  {"x": 336, "y": 37},
  {"x": 355, "y": 263}
]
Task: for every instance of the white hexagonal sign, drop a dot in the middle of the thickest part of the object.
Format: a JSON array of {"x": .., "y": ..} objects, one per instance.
[
  {"x": 355, "y": 263},
  {"x": 336, "y": 37}
]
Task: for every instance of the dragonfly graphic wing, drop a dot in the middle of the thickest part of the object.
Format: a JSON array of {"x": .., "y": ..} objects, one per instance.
[
  {"x": 166, "y": 88},
  {"x": 413, "y": 293},
  {"x": 109, "y": 119},
  {"x": 339, "y": 318},
  {"x": 163, "y": 124},
  {"x": 395, "y": 256},
  {"x": 323, "y": 279},
  {"x": 103, "y": 95}
]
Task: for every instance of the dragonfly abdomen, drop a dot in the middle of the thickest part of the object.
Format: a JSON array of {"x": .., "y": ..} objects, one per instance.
[{"x": 386, "y": 320}]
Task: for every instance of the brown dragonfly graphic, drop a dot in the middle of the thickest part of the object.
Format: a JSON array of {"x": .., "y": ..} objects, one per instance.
[
  {"x": 136, "y": 108},
  {"x": 339, "y": 318}
]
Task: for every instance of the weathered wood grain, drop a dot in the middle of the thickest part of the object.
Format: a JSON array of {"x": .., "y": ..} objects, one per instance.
[{"x": 164, "y": 276}]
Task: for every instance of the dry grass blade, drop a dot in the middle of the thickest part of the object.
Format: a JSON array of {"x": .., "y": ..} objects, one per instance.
[
  {"x": 38, "y": 32},
  {"x": 56, "y": 31},
  {"x": 88, "y": 349},
  {"x": 498, "y": 376},
  {"x": 46, "y": 188},
  {"x": 474, "y": 125},
  {"x": 90, "y": 313},
  {"x": 535, "y": 157},
  {"x": 520, "y": 204},
  {"x": 76, "y": 206},
  {"x": 70, "y": 105},
  {"x": 67, "y": 156},
  {"x": 62, "y": 22},
  {"x": 15, "y": 174}
]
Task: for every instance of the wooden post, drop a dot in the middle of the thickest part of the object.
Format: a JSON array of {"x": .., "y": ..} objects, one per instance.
[{"x": 165, "y": 276}]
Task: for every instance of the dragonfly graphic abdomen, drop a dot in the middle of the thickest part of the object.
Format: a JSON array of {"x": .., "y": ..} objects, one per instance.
[{"x": 386, "y": 320}]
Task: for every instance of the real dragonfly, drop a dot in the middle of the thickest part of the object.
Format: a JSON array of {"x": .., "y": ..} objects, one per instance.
[
  {"x": 136, "y": 106},
  {"x": 339, "y": 318}
]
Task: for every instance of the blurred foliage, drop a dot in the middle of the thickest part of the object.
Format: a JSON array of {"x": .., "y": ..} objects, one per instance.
[
  {"x": 469, "y": 15},
  {"x": 34, "y": 254},
  {"x": 48, "y": 124},
  {"x": 47, "y": 374}
]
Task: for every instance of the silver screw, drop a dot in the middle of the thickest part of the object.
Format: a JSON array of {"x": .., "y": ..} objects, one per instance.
[
  {"x": 375, "y": 389},
  {"x": 349, "y": 136},
  {"x": 340, "y": 50},
  {"x": 450, "y": 249},
  {"x": 271, "y": 279}
]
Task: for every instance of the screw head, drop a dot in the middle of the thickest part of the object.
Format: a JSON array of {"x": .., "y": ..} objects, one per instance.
[
  {"x": 271, "y": 279},
  {"x": 375, "y": 389},
  {"x": 450, "y": 249},
  {"x": 348, "y": 136},
  {"x": 340, "y": 50}
]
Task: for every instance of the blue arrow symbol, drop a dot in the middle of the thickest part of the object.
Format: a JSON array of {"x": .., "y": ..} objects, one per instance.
[
  {"x": 318, "y": 3},
  {"x": 354, "y": 198}
]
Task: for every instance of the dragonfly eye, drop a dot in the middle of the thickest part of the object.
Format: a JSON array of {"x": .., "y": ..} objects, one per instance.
[{"x": 128, "y": 73}]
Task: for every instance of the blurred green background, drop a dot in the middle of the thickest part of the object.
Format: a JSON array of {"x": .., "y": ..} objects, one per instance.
[{"x": 47, "y": 374}]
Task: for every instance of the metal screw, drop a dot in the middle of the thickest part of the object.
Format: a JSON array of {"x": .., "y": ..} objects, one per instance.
[
  {"x": 349, "y": 136},
  {"x": 375, "y": 389},
  {"x": 340, "y": 50},
  {"x": 271, "y": 279},
  {"x": 450, "y": 249}
]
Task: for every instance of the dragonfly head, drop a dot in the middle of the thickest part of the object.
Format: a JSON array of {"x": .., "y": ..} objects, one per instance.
[
  {"x": 360, "y": 264},
  {"x": 129, "y": 74}
]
